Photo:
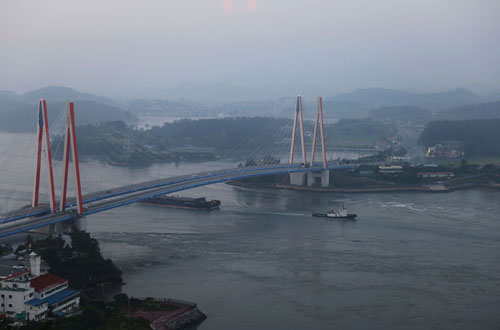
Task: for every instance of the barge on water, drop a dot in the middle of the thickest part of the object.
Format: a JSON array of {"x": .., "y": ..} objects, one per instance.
[{"x": 199, "y": 203}]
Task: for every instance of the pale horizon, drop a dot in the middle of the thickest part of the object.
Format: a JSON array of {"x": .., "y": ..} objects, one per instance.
[{"x": 115, "y": 47}]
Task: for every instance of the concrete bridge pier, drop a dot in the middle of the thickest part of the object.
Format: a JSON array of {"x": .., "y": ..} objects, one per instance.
[
  {"x": 55, "y": 229},
  {"x": 318, "y": 179},
  {"x": 298, "y": 179},
  {"x": 321, "y": 179},
  {"x": 58, "y": 228},
  {"x": 81, "y": 224}
]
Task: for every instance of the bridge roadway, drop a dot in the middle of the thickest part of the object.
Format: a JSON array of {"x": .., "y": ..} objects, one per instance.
[
  {"x": 42, "y": 209},
  {"x": 32, "y": 218}
]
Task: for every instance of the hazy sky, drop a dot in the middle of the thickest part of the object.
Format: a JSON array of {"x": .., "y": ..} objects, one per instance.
[{"x": 107, "y": 46}]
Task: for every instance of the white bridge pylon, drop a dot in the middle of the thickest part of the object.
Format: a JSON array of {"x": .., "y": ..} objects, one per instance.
[
  {"x": 298, "y": 112},
  {"x": 318, "y": 123}
]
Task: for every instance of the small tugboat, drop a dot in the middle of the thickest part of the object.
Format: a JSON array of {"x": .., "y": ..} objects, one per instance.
[{"x": 342, "y": 214}]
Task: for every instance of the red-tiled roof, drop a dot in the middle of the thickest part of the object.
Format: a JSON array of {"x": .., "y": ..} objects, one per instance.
[
  {"x": 14, "y": 276},
  {"x": 47, "y": 281}
]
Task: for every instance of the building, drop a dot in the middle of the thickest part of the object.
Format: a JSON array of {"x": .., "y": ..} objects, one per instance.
[
  {"x": 15, "y": 290},
  {"x": 30, "y": 295},
  {"x": 53, "y": 291}
]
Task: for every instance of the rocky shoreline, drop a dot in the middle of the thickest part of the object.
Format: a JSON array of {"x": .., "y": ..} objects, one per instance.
[
  {"x": 190, "y": 317},
  {"x": 168, "y": 314}
]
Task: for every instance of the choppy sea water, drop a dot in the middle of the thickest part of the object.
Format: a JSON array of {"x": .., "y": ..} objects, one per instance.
[{"x": 410, "y": 261}]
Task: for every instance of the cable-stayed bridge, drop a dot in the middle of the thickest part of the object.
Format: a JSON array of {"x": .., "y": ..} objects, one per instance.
[{"x": 57, "y": 211}]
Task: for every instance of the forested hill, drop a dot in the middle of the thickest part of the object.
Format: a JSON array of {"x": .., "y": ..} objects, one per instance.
[
  {"x": 21, "y": 117},
  {"x": 209, "y": 138},
  {"x": 477, "y": 137},
  {"x": 472, "y": 111},
  {"x": 220, "y": 133}
]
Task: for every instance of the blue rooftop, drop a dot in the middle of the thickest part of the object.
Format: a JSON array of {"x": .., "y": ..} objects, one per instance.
[{"x": 52, "y": 299}]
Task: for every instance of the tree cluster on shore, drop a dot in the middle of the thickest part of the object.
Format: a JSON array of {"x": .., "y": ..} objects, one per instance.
[
  {"x": 207, "y": 139},
  {"x": 476, "y": 137},
  {"x": 80, "y": 262}
]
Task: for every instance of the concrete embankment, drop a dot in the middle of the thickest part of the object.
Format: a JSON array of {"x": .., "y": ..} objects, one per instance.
[
  {"x": 430, "y": 188},
  {"x": 419, "y": 188}
]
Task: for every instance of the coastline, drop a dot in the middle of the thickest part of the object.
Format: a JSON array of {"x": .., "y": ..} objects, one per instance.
[
  {"x": 440, "y": 188},
  {"x": 99, "y": 283}
]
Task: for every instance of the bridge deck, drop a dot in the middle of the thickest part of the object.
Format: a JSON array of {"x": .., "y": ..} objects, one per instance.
[{"x": 26, "y": 219}]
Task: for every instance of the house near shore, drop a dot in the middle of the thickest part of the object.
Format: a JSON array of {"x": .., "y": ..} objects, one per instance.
[{"x": 31, "y": 294}]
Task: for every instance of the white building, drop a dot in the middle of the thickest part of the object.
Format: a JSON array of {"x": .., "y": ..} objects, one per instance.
[
  {"x": 15, "y": 290},
  {"x": 31, "y": 294},
  {"x": 390, "y": 169}
]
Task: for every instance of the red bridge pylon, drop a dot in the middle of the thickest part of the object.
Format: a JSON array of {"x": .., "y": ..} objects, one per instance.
[
  {"x": 69, "y": 141},
  {"x": 41, "y": 122}
]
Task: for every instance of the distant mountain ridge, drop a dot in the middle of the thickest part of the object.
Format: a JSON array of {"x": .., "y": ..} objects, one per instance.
[
  {"x": 64, "y": 94},
  {"x": 358, "y": 103},
  {"x": 381, "y": 97},
  {"x": 18, "y": 111}
]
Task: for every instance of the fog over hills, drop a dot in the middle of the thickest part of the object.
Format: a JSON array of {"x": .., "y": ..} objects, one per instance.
[
  {"x": 402, "y": 113},
  {"x": 378, "y": 97},
  {"x": 226, "y": 99},
  {"x": 219, "y": 91},
  {"x": 488, "y": 110},
  {"x": 9, "y": 97}
]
